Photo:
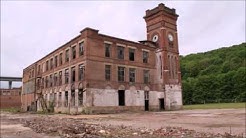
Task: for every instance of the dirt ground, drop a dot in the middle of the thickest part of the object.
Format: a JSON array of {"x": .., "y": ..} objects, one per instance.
[{"x": 185, "y": 123}]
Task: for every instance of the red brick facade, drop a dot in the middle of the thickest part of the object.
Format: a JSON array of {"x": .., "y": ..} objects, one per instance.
[
  {"x": 92, "y": 68},
  {"x": 10, "y": 98}
]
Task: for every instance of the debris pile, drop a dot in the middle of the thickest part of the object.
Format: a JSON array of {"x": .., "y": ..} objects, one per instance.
[{"x": 81, "y": 128}]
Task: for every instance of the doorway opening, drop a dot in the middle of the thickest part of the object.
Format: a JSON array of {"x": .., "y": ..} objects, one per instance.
[
  {"x": 121, "y": 94},
  {"x": 146, "y": 99},
  {"x": 161, "y": 104}
]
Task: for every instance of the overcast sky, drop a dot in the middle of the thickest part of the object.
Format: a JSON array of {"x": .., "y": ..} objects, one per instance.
[{"x": 31, "y": 30}]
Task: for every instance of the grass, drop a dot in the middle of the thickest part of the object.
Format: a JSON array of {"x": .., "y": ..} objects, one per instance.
[
  {"x": 215, "y": 106},
  {"x": 11, "y": 110}
]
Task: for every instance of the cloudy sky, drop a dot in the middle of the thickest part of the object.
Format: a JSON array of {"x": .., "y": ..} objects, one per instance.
[{"x": 31, "y": 30}]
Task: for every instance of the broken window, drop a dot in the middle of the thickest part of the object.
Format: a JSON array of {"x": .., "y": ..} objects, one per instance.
[
  {"x": 120, "y": 51},
  {"x": 132, "y": 75},
  {"x": 73, "y": 74},
  {"x": 107, "y": 72},
  {"x": 51, "y": 63},
  {"x": 145, "y": 56},
  {"x": 146, "y": 76},
  {"x": 74, "y": 52},
  {"x": 73, "y": 98},
  {"x": 66, "y": 99},
  {"x": 66, "y": 76},
  {"x": 107, "y": 50},
  {"x": 47, "y": 65},
  {"x": 60, "y": 78},
  {"x": 121, "y": 74},
  {"x": 55, "y": 79},
  {"x": 56, "y": 58},
  {"x": 60, "y": 58},
  {"x": 51, "y": 81},
  {"x": 80, "y": 97},
  {"x": 131, "y": 54},
  {"x": 67, "y": 55},
  {"x": 81, "y": 48},
  {"x": 81, "y": 71}
]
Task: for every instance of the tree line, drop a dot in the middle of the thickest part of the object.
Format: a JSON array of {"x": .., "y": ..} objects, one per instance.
[{"x": 214, "y": 76}]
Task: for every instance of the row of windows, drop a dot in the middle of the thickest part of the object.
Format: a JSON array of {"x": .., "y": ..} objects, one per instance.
[
  {"x": 121, "y": 51},
  {"x": 56, "y": 78},
  {"x": 58, "y": 59},
  {"x": 121, "y": 74}
]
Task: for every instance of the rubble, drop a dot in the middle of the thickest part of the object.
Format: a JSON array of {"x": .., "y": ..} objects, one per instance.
[{"x": 79, "y": 128}]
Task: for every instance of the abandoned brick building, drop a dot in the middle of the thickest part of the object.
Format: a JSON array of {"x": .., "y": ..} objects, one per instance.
[{"x": 94, "y": 72}]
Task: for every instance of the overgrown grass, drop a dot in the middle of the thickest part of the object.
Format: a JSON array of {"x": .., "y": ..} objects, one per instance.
[
  {"x": 215, "y": 106},
  {"x": 11, "y": 110}
]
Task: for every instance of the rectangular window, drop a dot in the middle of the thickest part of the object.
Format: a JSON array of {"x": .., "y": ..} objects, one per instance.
[
  {"x": 39, "y": 69},
  {"x": 51, "y": 63},
  {"x": 67, "y": 55},
  {"x": 47, "y": 65},
  {"x": 46, "y": 82},
  {"x": 131, "y": 54},
  {"x": 81, "y": 71},
  {"x": 145, "y": 56},
  {"x": 60, "y": 58},
  {"x": 74, "y": 52},
  {"x": 66, "y": 76},
  {"x": 73, "y": 98},
  {"x": 120, "y": 51},
  {"x": 56, "y": 59},
  {"x": 60, "y": 78},
  {"x": 107, "y": 72},
  {"x": 73, "y": 74},
  {"x": 66, "y": 99},
  {"x": 107, "y": 50},
  {"x": 121, "y": 74},
  {"x": 80, "y": 95},
  {"x": 55, "y": 79},
  {"x": 146, "y": 76},
  {"x": 81, "y": 48},
  {"x": 51, "y": 81},
  {"x": 132, "y": 75}
]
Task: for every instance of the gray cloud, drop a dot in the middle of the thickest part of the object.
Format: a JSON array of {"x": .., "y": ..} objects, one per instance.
[{"x": 30, "y": 30}]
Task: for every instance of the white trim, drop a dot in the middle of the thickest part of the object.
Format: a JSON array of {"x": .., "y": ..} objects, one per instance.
[
  {"x": 146, "y": 50},
  {"x": 118, "y": 44},
  {"x": 74, "y": 45},
  {"x": 108, "y": 64},
  {"x": 165, "y": 70},
  {"x": 163, "y": 28},
  {"x": 83, "y": 40},
  {"x": 108, "y": 42},
  {"x": 131, "y": 47}
]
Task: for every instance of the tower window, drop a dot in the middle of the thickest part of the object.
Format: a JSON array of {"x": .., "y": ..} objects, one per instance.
[{"x": 131, "y": 54}]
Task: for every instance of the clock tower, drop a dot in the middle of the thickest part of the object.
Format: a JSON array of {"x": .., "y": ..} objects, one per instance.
[{"x": 161, "y": 24}]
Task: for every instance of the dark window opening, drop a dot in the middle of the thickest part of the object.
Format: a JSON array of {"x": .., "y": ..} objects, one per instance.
[
  {"x": 47, "y": 65},
  {"x": 60, "y": 59},
  {"x": 80, "y": 95},
  {"x": 60, "y": 78},
  {"x": 107, "y": 50},
  {"x": 145, "y": 57},
  {"x": 55, "y": 79},
  {"x": 66, "y": 99},
  {"x": 81, "y": 71},
  {"x": 56, "y": 58},
  {"x": 73, "y": 98},
  {"x": 146, "y": 76},
  {"x": 51, "y": 63},
  {"x": 161, "y": 104},
  {"x": 131, "y": 54},
  {"x": 67, "y": 55},
  {"x": 73, "y": 74},
  {"x": 66, "y": 76},
  {"x": 51, "y": 81},
  {"x": 74, "y": 52}
]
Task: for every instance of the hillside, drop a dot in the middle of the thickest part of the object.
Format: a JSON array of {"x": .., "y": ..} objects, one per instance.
[{"x": 214, "y": 76}]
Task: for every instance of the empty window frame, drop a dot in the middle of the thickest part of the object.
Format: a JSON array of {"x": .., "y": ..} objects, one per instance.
[
  {"x": 81, "y": 48},
  {"x": 73, "y": 74},
  {"x": 47, "y": 65},
  {"x": 120, "y": 52},
  {"x": 67, "y": 55},
  {"x": 121, "y": 74},
  {"x": 60, "y": 78},
  {"x": 131, "y": 54},
  {"x": 80, "y": 97},
  {"x": 51, "y": 63},
  {"x": 81, "y": 71},
  {"x": 55, "y": 79},
  {"x": 66, "y": 76},
  {"x": 56, "y": 60},
  {"x": 60, "y": 59},
  {"x": 72, "y": 98},
  {"x": 107, "y": 72},
  {"x": 107, "y": 49},
  {"x": 145, "y": 56},
  {"x": 74, "y": 52},
  {"x": 51, "y": 80},
  {"x": 146, "y": 76},
  {"x": 132, "y": 73}
]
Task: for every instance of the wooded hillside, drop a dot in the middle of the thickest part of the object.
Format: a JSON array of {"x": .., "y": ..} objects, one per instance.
[{"x": 214, "y": 76}]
